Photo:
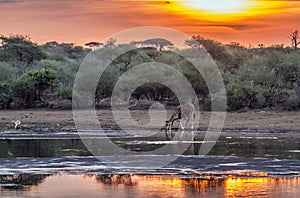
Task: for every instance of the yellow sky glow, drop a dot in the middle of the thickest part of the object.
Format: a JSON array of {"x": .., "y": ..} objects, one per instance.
[{"x": 229, "y": 10}]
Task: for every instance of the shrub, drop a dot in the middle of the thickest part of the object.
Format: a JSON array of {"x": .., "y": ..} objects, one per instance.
[
  {"x": 65, "y": 92},
  {"x": 29, "y": 86},
  {"x": 280, "y": 98},
  {"x": 5, "y": 96},
  {"x": 239, "y": 95},
  {"x": 218, "y": 100},
  {"x": 6, "y": 71},
  {"x": 24, "y": 91}
]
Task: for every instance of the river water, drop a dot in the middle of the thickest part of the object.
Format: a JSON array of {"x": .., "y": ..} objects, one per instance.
[{"x": 241, "y": 164}]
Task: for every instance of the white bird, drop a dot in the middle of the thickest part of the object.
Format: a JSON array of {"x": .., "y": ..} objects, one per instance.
[{"x": 17, "y": 123}]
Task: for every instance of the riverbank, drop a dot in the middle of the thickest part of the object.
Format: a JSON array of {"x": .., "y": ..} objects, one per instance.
[{"x": 63, "y": 120}]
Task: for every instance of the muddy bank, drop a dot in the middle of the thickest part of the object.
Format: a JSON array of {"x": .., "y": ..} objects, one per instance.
[{"x": 49, "y": 120}]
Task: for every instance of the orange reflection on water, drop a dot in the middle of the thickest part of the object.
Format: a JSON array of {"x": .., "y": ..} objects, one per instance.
[
  {"x": 247, "y": 187},
  {"x": 130, "y": 185},
  {"x": 161, "y": 185}
]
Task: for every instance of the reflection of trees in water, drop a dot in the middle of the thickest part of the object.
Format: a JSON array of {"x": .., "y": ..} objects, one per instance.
[
  {"x": 21, "y": 181},
  {"x": 114, "y": 179},
  {"x": 197, "y": 184},
  {"x": 207, "y": 185},
  {"x": 204, "y": 184}
]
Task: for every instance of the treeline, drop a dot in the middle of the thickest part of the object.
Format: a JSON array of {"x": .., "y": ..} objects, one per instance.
[{"x": 35, "y": 75}]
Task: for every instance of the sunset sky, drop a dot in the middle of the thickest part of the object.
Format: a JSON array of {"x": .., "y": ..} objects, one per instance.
[{"x": 249, "y": 22}]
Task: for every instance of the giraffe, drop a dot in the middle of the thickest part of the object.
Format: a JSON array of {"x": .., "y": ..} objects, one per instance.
[{"x": 183, "y": 113}]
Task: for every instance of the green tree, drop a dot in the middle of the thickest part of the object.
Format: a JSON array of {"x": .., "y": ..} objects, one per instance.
[
  {"x": 94, "y": 45},
  {"x": 239, "y": 95},
  {"x": 65, "y": 92},
  {"x": 23, "y": 91},
  {"x": 66, "y": 52},
  {"x": 214, "y": 48},
  {"x": 6, "y": 71},
  {"x": 158, "y": 43},
  {"x": 5, "y": 95},
  {"x": 22, "y": 52},
  {"x": 30, "y": 86},
  {"x": 43, "y": 79}
]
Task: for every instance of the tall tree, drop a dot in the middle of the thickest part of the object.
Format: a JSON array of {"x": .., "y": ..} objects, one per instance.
[
  {"x": 110, "y": 42},
  {"x": 214, "y": 48},
  {"x": 159, "y": 43},
  {"x": 94, "y": 45},
  {"x": 294, "y": 36},
  {"x": 21, "y": 51}
]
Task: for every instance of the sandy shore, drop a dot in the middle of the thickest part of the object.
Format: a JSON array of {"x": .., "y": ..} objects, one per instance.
[{"x": 57, "y": 120}]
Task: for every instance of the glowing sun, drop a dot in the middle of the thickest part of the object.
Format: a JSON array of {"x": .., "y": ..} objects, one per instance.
[
  {"x": 223, "y": 10},
  {"x": 218, "y": 6}
]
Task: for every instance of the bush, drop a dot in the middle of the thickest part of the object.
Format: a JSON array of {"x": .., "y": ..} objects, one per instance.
[
  {"x": 24, "y": 91},
  {"x": 257, "y": 70},
  {"x": 263, "y": 96},
  {"x": 287, "y": 99},
  {"x": 65, "y": 92},
  {"x": 218, "y": 99},
  {"x": 6, "y": 71},
  {"x": 239, "y": 95},
  {"x": 5, "y": 96},
  {"x": 29, "y": 86},
  {"x": 280, "y": 98}
]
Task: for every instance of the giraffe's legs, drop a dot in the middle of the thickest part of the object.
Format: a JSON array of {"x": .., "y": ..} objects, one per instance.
[
  {"x": 193, "y": 118},
  {"x": 182, "y": 127}
]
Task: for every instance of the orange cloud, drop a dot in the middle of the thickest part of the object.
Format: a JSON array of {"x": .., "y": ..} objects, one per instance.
[{"x": 81, "y": 21}]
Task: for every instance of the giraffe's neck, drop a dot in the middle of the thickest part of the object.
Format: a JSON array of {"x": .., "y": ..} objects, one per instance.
[{"x": 176, "y": 115}]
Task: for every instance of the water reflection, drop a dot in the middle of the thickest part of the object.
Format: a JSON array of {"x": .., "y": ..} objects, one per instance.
[
  {"x": 267, "y": 145},
  {"x": 11, "y": 148},
  {"x": 129, "y": 185},
  {"x": 21, "y": 181},
  {"x": 262, "y": 187},
  {"x": 115, "y": 179}
]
